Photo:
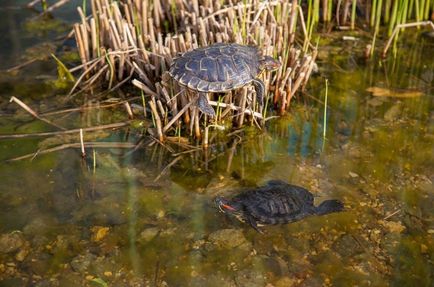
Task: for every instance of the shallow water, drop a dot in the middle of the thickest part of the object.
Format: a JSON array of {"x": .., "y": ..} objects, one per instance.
[{"x": 65, "y": 221}]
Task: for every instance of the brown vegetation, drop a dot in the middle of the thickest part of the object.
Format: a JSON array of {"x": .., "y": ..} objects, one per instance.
[{"x": 137, "y": 40}]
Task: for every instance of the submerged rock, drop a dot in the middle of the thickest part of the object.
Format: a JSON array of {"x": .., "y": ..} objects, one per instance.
[
  {"x": 394, "y": 112},
  {"x": 38, "y": 263},
  {"x": 347, "y": 246},
  {"x": 11, "y": 242},
  {"x": 70, "y": 279},
  {"x": 40, "y": 226},
  {"x": 82, "y": 262},
  {"x": 273, "y": 264},
  {"x": 285, "y": 282},
  {"x": 148, "y": 234},
  {"x": 43, "y": 283},
  {"x": 250, "y": 278},
  {"x": 391, "y": 242},
  {"x": 227, "y": 238},
  {"x": 103, "y": 267},
  {"x": 213, "y": 280},
  {"x": 23, "y": 252},
  {"x": 16, "y": 281}
]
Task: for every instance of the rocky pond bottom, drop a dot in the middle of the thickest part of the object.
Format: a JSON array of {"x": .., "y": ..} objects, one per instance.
[{"x": 63, "y": 224}]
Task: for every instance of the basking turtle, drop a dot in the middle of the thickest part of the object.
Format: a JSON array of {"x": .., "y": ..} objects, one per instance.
[
  {"x": 276, "y": 202},
  {"x": 221, "y": 68}
]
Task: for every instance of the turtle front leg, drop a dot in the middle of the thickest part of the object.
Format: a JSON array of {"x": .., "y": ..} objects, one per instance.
[
  {"x": 260, "y": 91},
  {"x": 204, "y": 106},
  {"x": 253, "y": 223}
]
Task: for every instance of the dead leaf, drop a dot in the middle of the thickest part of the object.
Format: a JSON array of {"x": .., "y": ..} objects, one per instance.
[
  {"x": 99, "y": 232},
  {"x": 394, "y": 93}
]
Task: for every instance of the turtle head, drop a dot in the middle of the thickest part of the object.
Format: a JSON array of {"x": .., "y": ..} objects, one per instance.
[
  {"x": 227, "y": 206},
  {"x": 269, "y": 63}
]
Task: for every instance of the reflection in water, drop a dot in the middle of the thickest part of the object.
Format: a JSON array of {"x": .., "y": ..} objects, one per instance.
[{"x": 64, "y": 222}]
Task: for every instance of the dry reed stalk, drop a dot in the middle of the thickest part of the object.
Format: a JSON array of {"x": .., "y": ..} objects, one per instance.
[
  {"x": 33, "y": 113},
  {"x": 110, "y": 145},
  {"x": 83, "y": 151},
  {"x": 167, "y": 167},
  {"x": 197, "y": 132},
  {"x": 205, "y": 137},
  {"x": 232, "y": 107},
  {"x": 143, "y": 87},
  {"x": 156, "y": 118},
  {"x": 401, "y": 26},
  {"x": 32, "y": 3},
  {"x": 129, "y": 38},
  {"x": 89, "y": 107},
  {"x": 243, "y": 107},
  {"x": 73, "y": 131},
  {"x": 177, "y": 116},
  {"x": 162, "y": 110},
  {"x": 86, "y": 72},
  {"x": 129, "y": 110},
  {"x": 51, "y": 8},
  {"x": 193, "y": 111},
  {"x": 95, "y": 77}
]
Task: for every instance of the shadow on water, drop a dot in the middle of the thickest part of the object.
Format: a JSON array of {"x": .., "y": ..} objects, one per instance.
[{"x": 66, "y": 221}]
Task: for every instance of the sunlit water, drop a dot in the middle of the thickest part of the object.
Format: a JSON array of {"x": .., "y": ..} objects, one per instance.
[{"x": 124, "y": 217}]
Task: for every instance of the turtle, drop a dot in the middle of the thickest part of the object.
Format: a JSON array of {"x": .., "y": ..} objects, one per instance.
[
  {"x": 221, "y": 68},
  {"x": 277, "y": 202}
]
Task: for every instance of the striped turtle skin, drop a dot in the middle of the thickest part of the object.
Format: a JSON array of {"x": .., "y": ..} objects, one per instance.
[
  {"x": 277, "y": 202},
  {"x": 221, "y": 68}
]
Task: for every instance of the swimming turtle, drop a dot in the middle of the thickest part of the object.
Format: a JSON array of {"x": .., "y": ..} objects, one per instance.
[
  {"x": 274, "y": 203},
  {"x": 221, "y": 68}
]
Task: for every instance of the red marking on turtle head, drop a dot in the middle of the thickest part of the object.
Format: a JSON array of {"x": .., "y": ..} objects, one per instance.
[{"x": 228, "y": 207}]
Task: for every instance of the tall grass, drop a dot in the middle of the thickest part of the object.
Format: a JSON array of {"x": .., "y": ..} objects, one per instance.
[
  {"x": 354, "y": 14},
  {"x": 387, "y": 12},
  {"x": 325, "y": 109}
]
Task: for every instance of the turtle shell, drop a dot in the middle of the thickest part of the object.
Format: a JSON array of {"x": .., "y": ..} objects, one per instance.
[
  {"x": 217, "y": 68},
  {"x": 276, "y": 202}
]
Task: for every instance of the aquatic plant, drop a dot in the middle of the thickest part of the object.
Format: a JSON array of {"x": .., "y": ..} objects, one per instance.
[{"x": 345, "y": 13}]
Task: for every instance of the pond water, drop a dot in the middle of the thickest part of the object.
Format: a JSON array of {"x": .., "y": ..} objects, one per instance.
[{"x": 145, "y": 217}]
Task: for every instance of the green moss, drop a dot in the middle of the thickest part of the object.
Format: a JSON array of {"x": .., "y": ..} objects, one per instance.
[
  {"x": 412, "y": 268},
  {"x": 44, "y": 24}
]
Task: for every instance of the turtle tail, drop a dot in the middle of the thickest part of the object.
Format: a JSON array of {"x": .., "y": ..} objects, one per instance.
[{"x": 329, "y": 206}]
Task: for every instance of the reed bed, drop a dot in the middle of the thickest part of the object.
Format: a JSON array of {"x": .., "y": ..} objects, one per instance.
[
  {"x": 345, "y": 13},
  {"x": 395, "y": 15},
  {"x": 136, "y": 41}
]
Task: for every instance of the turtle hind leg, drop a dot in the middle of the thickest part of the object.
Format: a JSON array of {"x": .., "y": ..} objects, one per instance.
[
  {"x": 253, "y": 224},
  {"x": 204, "y": 106},
  {"x": 260, "y": 91}
]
